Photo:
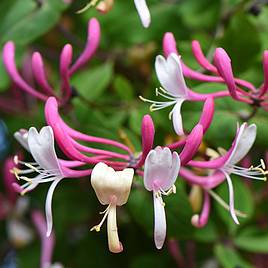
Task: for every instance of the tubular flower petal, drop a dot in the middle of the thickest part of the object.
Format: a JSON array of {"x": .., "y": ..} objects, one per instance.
[
  {"x": 161, "y": 169},
  {"x": 112, "y": 188}
]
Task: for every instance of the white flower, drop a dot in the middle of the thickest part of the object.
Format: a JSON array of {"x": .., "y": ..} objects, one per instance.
[
  {"x": 244, "y": 140},
  {"x": 112, "y": 188},
  {"x": 161, "y": 170},
  {"x": 46, "y": 165},
  {"x": 143, "y": 12},
  {"x": 169, "y": 73}
]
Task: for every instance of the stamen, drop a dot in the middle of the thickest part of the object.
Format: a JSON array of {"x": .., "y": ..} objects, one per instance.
[
  {"x": 225, "y": 205},
  {"x": 98, "y": 227},
  {"x": 158, "y": 195},
  {"x": 92, "y": 3},
  {"x": 172, "y": 190}
]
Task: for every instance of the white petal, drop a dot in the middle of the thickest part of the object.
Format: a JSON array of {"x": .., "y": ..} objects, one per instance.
[
  {"x": 144, "y": 12},
  {"x": 42, "y": 148},
  {"x": 169, "y": 73},
  {"x": 244, "y": 141},
  {"x": 177, "y": 119},
  {"x": 161, "y": 169},
  {"x": 231, "y": 197},
  {"x": 160, "y": 225},
  {"x": 48, "y": 206},
  {"x": 22, "y": 137}
]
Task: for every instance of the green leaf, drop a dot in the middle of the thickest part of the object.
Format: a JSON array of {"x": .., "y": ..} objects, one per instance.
[
  {"x": 25, "y": 21},
  {"x": 206, "y": 234},
  {"x": 91, "y": 83},
  {"x": 140, "y": 206},
  {"x": 252, "y": 240},
  {"x": 179, "y": 214},
  {"x": 123, "y": 88},
  {"x": 241, "y": 49},
  {"x": 229, "y": 258}
]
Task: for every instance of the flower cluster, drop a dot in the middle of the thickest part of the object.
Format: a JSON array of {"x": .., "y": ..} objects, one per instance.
[{"x": 112, "y": 171}]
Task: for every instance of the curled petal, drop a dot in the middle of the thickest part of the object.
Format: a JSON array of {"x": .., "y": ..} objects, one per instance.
[
  {"x": 177, "y": 118},
  {"x": 160, "y": 225},
  {"x": 48, "y": 206},
  {"x": 231, "y": 197},
  {"x": 144, "y": 12}
]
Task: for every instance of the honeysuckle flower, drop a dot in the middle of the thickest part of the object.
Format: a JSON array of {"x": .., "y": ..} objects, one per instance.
[
  {"x": 67, "y": 69},
  {"x": 143, "y": 12},
  {"x": 161, "y": 170},
  {"x": 112, "y": 188},
  {"x": 174, "y": 89},
  {"x": 221, "y": 70},
  {"x": 226, "y": 165},
  {"x": 47, "y": 166},
  {"x": 47, "y": 243}
]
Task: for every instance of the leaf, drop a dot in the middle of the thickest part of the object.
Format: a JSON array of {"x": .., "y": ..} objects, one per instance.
[
  {"x": 25, "y": 21},
  {"x": 91, "y": 83},
  {"x": 123, "y": 88},
  {"x": 179, "y": 214},
  {"x": 252, "y": 240},
  {"x": 140, "y": 206},
  {"x": 206, "y": 234},
  {"x": 229, "y": 258},
  {"x": 241, "y": 49}
]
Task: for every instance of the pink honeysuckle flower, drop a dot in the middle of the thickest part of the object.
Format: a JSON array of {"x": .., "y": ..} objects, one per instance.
[
  {"x": 226, "y": 165},
  {"x": 47, "y": 166},
  {"x": 69, "y": 140},
  {"x": 112, "y": 188},
  {"x": 47, "y": 243},
  {"x": 161, "y": 170},
  {"x": 222, "y": 73},
  {"x": 174, "y": 89},
  {"x": 143, "y": 12},
  {"x": 67, "y": 69}
]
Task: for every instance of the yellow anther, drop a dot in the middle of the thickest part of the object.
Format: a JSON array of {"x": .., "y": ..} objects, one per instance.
[
  {"x": 95, "y": 228},
  {"x": 16, "y": 172},
  {"x": 92, "y": 3}
]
